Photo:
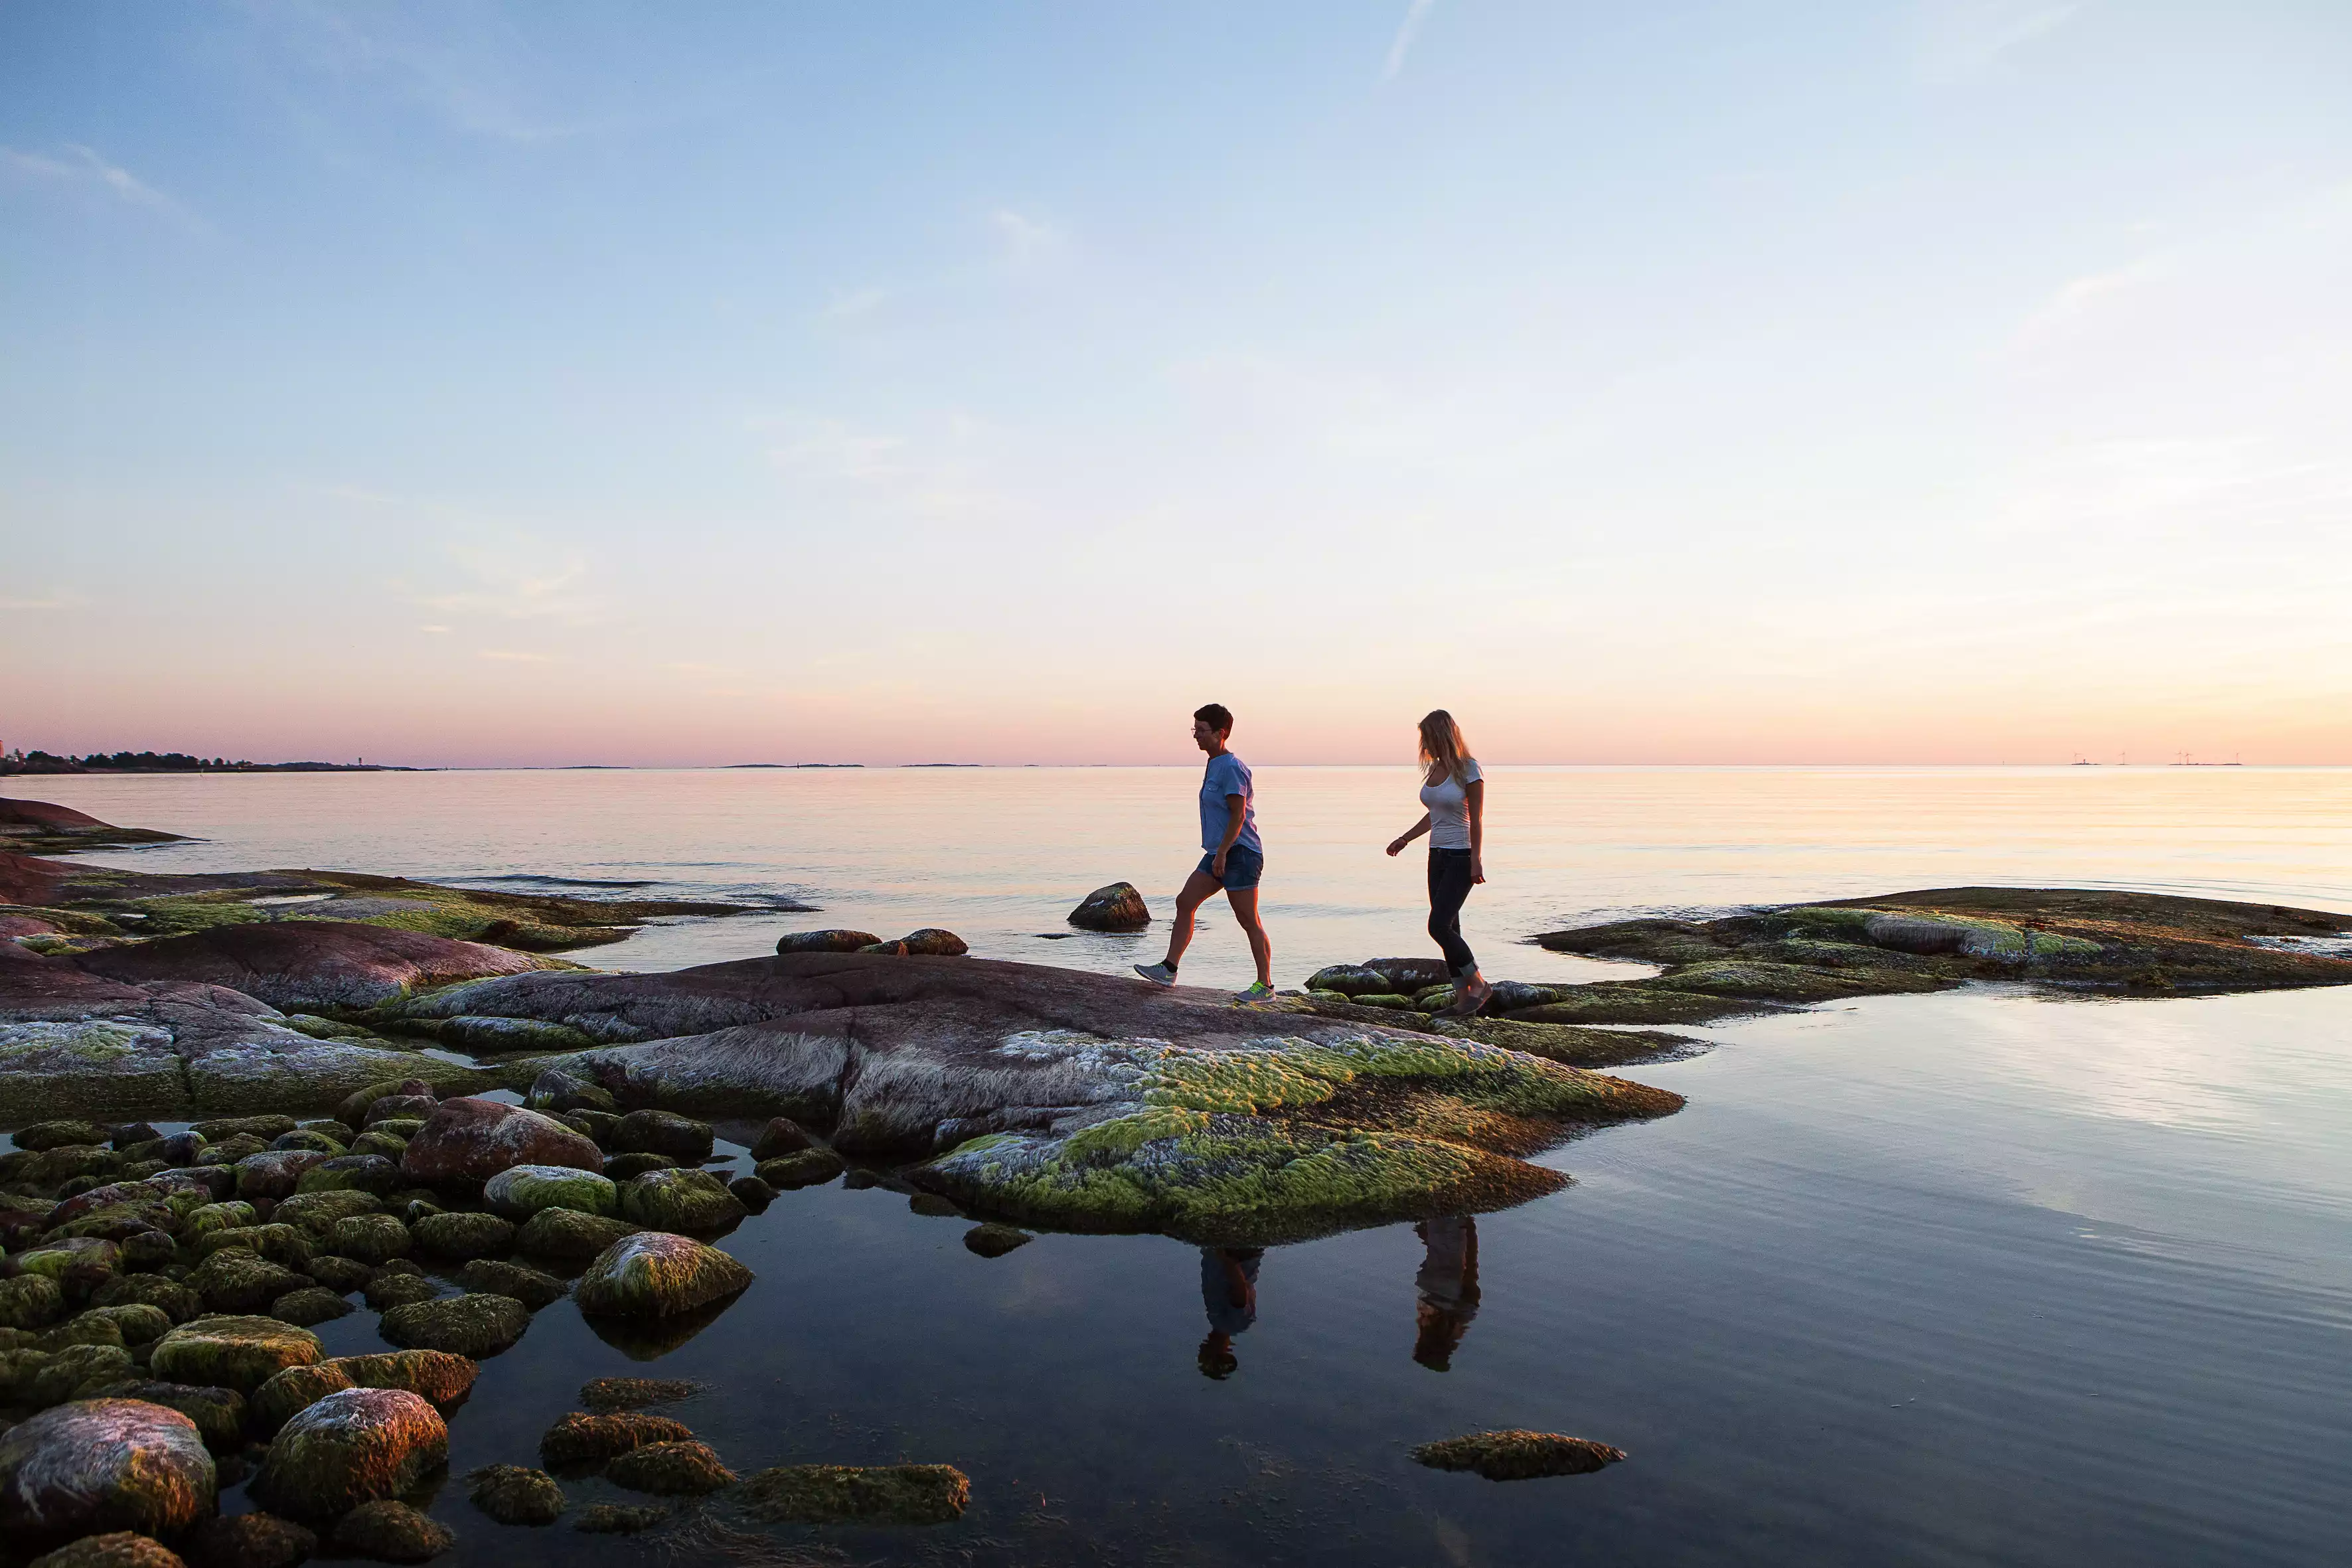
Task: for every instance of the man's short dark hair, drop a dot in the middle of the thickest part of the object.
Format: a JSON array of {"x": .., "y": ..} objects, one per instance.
[{"x": 1217, "y": 715}]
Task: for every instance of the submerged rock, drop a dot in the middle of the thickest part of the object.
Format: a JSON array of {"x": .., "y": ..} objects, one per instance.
[
  {"x": 117, "y": 1548},
  {"x": 1118, "y": 906},
  {"x": 255, "y": 1539},
  {"x": 472, "y": 1325},
  {"x": 579, "y": 1439},
  {"x": 607, "y": 1394},
  {"x": 467, "y": 1141},
  {"x": 515, "y": 1494},
  {"x": 393, "y": 1531},
  {"x": 618, "y": 1518},
  {"x": 228, "y": 1352},
  {"x": 670, "y": 1469},
  {"x": 1517, "y": 1455},
  {"x": 104, "y": 1465},
  {"x": 838, "y": 1494},
  {"x": 654, "y": 1274},
  {"x": 348, "y": 1448}
]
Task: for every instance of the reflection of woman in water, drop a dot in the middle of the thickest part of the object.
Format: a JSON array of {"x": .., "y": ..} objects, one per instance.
[
  {"x": 1448, "y": 1283},
  {"x": 1229, "y": 1293}
]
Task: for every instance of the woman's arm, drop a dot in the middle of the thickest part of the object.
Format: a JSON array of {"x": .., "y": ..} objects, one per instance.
[
  {"x": 1396, "y": 846},
  {"x": 1475, "y": 795}
]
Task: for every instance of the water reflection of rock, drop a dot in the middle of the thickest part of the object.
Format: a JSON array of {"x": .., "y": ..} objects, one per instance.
[{"x": 650, "y": 1339}]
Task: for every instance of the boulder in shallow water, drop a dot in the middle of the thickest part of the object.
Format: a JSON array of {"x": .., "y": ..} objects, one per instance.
[
  {"x": 360, "y": 1172},
  {"x": 234, "y": 1280},
  {"x": 31, "y": 1301},
  {"x": 654, "y": 1274},
  {"x": 805, "y": 1168},
  {"x": 393, "y": 1531},
  {"x": 579, "y": 1441},
  {"x": 841, "y": 1494},
  {"x": 781, "y": 1136},
  {"x": 104, "y": 1465},
  {"x": 522, "y": 1191},
  {"x": 116, "y": 1549},
  {"x": 670, "y": 1470},
  {"x": 567, "y": 1235},
  {"x": 1116, "y": 908},
  {"x": 837, "y": 941},
  {"x": 369, "y": 1239},
  {"x": 309, "y": 1307},
  {"x": 1517, "y": 1455},
  {"x": 350, "y": 1447},
  {"x": 228, "y": 1352},
  {"x": 256, "y": 1540},
  {"x": 618, "y": 1518},
  {"x": 460, "y": 1235},
  {"x": 473, "y": 1325},
  {"x": 220, "y": 1413},
  {"x": 556, "y": 1092},
  {"x": 930, "y": 942},
  {"x": 525, "y": 1283},
  {"x": 290, "y": 1392},
  {"x": 515, "y": 1494},
  {"x": 276, "y": 1173},
  {"x": 173, "y": 1298},
  {"x": 682, "y": 1138},
  {"x": 466, "y": 1141},
  {"x": 994, "y": 1240},
  {"x": 607, "y": 1394},
  {"x": 680, "y": 1201}
]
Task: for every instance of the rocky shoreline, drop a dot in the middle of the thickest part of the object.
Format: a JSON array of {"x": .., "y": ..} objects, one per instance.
[{"x": 319, "y": 1068}]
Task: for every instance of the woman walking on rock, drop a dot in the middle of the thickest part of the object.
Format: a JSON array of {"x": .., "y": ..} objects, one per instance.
[{"x": 1454, "y": 790}]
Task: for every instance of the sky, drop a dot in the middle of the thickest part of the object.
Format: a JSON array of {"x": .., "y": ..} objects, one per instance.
[{"x": 1963, "y": 381}]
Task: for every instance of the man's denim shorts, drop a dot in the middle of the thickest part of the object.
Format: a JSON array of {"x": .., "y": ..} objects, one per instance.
[{"x": 1242, "y": 867}]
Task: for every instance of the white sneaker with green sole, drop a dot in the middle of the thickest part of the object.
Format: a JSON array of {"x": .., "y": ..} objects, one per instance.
[{"x": 1158, "y": 973}]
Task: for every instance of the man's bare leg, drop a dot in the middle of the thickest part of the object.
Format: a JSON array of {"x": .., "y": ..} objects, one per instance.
[{"x": 1245, "y": 902}]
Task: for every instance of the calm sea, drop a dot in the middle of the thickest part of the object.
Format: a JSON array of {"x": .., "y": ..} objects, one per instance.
[{"x": 1981, "y": 1277}]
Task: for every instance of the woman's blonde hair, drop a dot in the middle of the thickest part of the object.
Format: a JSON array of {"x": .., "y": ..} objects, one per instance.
[{"x": 1442, "y": 742}]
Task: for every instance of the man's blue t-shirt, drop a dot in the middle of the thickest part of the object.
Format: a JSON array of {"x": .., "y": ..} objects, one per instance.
[{"x": 1227, "y": 774}]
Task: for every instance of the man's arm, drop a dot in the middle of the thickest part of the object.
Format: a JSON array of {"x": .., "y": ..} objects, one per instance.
[{"x": 1236, "y": 809}]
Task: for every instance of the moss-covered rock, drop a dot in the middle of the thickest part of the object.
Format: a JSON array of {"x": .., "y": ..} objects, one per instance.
[
  {"x": 341, "y": 1275},
  {"x": 72, "y": 1371},
  {"x": 102, "y": 1464},
  {"x": 618, "y": 1518},
  {"x": 994, "y": 1240},
  {"x": 310, "y": 1138},
  {"x": 526, "y": 1284},
  {"x": 87, "y": 1328},
  {"x": 138, "y": 1322},
  {"x": 583, "y": 1441},
  {"x": 607, "y": 1394},
  {"x": 393, "y": 1531},
  {"x": 255, "y": 1539},
  {"x": 220, "y": 1413},
  {"x": 287, "y": 1245},
  {"x": 460, "y": 1235},
  {"x": 628, "y": 1167},
  {"x": 694, "y": 1201},
  {"x": 287, "y": 1394},
  {"x": 369, "y": 1239},
  {"x": 309, "y": 1307},
  {"x": 682, "y": 1138},
  {"x": 319, "y": 1212},
  {"x": 1515, "y": 1456},
  {"x": 211, "y": 1218},
  {"x": 115, "y": 1548},
  {"x": 83, "y": 1255},
  {"x": 353, "y": 1447},
  {"x": 556, "y": 1092},
  {"x": 234, "y": 1280},
  {"x": 436, "y": 1375},
  {"x": 852, "y": 1494},
  {"x": 468, "y": 1140},
  {"x": 276, "y": 1173},
  {"x": 359, "y": 1171},
  {"x": 380, "y": 1141},
  {"x": 45, "y": 1135},
  {"x": 515, "y": 1494},
  {"x": 522, "y": 1191},
  {"x": 232, "y": 1351},
  {"x": 567, "y": 1235},
  {"x": 394, "y": 1286},
  {"x": 670, "y": 1470},
  {"x": 655, "y": 1274},
  {"x": 30, "y": 1301},
  {"x": 473, "y": 1324},
  {"x": 176, "y": 1301}
]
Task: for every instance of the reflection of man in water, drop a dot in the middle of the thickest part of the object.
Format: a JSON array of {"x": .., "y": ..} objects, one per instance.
[
  {"x": 1229, "y": 1292},
  {"x": 1448, "y": 1283}
]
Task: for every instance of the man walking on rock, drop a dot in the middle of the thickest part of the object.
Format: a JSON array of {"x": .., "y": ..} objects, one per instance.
[{"x": 1232, "y": 856}]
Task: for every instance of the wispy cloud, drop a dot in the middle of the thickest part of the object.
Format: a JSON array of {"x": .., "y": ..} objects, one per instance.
[
  {"x": 515, "y": 655},
  {"x": 1027, "y": 241},
  {"x": 85, "y": 167},
  {"x": 54, "y": 599},
  {"x": 1407, "y": 30},
  {"x": 2078, "y": 298},
  {"x": 1960, "y": 38}
]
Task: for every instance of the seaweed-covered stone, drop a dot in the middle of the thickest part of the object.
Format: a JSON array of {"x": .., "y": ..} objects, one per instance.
[
  {"x": 256, "y": 1540},
  {"x": 290, "y": 1392},
  {"x": 81, "y": 1254},
  {"x": 437, "y": 1375},
  {"x": 73, "y": 1371},
  {"x": 805, "y": 1169},
  {"x": 556, "y": 1092},
  {"x": 341, "y": 1275},
  {"x": 520, "y": 1191},
  {"x": 618, "y": 1518},
  {"x": 607, "y": 1394},
  {"x": 579, "y": 1440},
  {"x": 358, "y": 1172},
  {"x": 382, "y": 1141},
  {"x": 276, "y": 1173},
  {"x": 174, "y": 1299},
  {"x": 753, "y": 1194},
  {"x": 994, "y": 1240},
  {"x": 458, "y": 1235},
  {"x": 211, "y": 1219},
  {"x": 474, "y": 1324},
  {"x": 354, "y": 1112},
  {"x": 149, "y": 1250},
  {"x": 1118, "y": 906},
  {"x": 317, "y": 1212},
  {"x": 627, "y": 1167},
  {"x": 837, "y": 1494},
  {"x": 390, "y": 1286},
  {"x": 45, "y": 1135},
  {"x": 525, "y": 1283},
  {"x": 236, "y": 1280},
  {"x": 670, "y": 1469},
  {"x": 1515, "y": 1456},
  {"x": 87, "y": 1328},
  {"x": 288, "y": 1246},
  {"x": 680, "y": 1201},
  {"x": 218, "y": 1413},
  {"x": 308, "y": 1307},
  {"x": 515, "y": 1494},
  {"x": 104, "y": 1465},
  {"x": 654, "y": 1274},
  {"x": 116, "y": 1549},
  {"x": 468, "y": 1140},
  {"x": 310, "y": 1138},
  {"x": 138, "y": 1322},
  {"x": 369, "y": 1239},
  {"x": 662, "y": 1132},
  {"x": 393, "y": 1531},
  {"x": 232, "y": 1351},
  {"x": 781, "y": 1136},
  {"x": 31, "y": 1301},
  {"x": 930, "y": 1205},
  {"x": 567, "y": 1235},
  {"x": 263, "y": 1127},
  {"x": 350, "y": 1447}
]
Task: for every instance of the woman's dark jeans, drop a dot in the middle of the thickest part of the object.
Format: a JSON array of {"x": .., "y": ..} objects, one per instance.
[{"x": 1449, "y": 885}]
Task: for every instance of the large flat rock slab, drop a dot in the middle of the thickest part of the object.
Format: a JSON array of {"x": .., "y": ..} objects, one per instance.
[{"x": 310, "y": 965}]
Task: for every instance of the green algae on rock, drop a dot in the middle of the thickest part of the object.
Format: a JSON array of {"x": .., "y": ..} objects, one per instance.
[
  {"x": 1517, "y": 1455},
  {"x": 578, "y": 1439},
  {"x": 256, "y": 1540},
  {"x": 618, "y": 1518},
  {"x": 568, "y": 1234},
  {"x": 654, "y": 1274},
  {"x": 852, "y": 1494},
  {"x": 232, "y": 1351},
  {"x": 520, "y": 1191},
  {"x": 349, "y": 1447},
  {"x": 473, "y": 1325},
  {"x": 392, "y": 1531},
  {"x": 680, "y": 1201},
  {"x": 994, "y": 1240},
  {"x": 116, "y": 1549},
  {"x": 104, "y": 1465},
  {"x": 670, "y": 1469},
  {"x": 525, "y": 1283},
  {"x": 460, "y": 1235},
  {"x": 220, "y": 1413},
  {"x": 515, "y": 1494}
]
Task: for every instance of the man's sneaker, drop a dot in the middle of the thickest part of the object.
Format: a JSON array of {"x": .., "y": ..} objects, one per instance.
[
  {"x": 1158, "y": 973},
  {"x": 1259, "y": 991}
]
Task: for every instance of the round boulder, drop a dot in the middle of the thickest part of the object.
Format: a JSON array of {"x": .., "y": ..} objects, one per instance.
[
  {"x": 393, "y": 1531},
  {"x": 104, "y": 1465},
  {"x": 825, "y": 941},
  {"x": 116, "y": 1549},
  {"x": 670, "y": 1469},
  {"x": 458, "y": 1235},
  {"x": 515, "y": 1494},
  {"x": 368, "y": 1172},
  {"x": 276, "y": 1173},
  {"x": 255, "y": 1539},
  {"x": 520, "y": 1191},
  {"x": 682, "y": 1138},
  {"x": 680, "y": 1200},
  {"x": 239, "y": 1352},
  {"x": 656, "y": 1275},
  {"x": 353, "y": 1447},
  {"x": 474, "y": 1324},
  {"x": 369, "y": 1238},
  {"x": 1116, "y": 908},
  {"x": 566, "y": 1234},
  {"x": 466, "y": 1141}
]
